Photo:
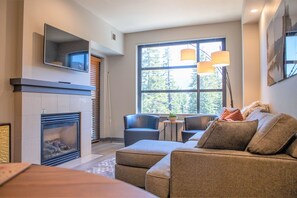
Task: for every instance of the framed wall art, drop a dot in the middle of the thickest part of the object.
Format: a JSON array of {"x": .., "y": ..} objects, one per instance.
[{"x": 282, "y": 43}]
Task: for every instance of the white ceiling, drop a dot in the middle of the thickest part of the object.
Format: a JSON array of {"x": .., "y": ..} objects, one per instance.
[{"x": 142, "y": 15}]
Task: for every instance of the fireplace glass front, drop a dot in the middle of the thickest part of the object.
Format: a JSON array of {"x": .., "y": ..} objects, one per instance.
[{"x": 60, "y": 138}]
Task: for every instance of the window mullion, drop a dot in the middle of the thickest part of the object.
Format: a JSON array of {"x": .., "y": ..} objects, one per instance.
[
  {"x": 198, "y": 77},
  {"x": 154, "y": 80}
]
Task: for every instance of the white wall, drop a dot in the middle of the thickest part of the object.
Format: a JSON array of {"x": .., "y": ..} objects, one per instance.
[
  {"x": 281, "y": 96},
  {"x": 10, "y": 58},
  {"x": 123, "y": 68},
  {"x": 251, "y": 63},
  {"x": 21, "y": 50},
  {"x": 72, "y": 18}
]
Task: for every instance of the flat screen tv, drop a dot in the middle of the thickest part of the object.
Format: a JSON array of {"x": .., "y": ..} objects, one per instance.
[{"x": 62, "y": 49}]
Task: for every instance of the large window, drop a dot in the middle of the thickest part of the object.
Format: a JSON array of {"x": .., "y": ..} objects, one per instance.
[
  {"x": 291, "y": 54},
  {"x": 167, "y": 84}
]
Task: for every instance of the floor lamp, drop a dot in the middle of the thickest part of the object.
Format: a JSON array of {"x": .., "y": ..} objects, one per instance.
[{"x": 217, "y": 59}]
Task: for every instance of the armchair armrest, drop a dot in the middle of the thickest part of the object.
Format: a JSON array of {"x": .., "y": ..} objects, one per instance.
[{"x": 224, "y": 173}]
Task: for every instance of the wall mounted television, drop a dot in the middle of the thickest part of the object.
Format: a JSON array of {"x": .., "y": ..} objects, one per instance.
[{"x": 64, "y": 50}]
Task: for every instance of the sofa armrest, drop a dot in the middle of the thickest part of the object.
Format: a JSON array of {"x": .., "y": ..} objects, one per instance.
[{"x": 224, "y": 173}]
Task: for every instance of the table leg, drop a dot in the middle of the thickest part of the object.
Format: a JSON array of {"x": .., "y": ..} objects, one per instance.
[
  {"x": 171, "y": 131},
  {"x": 176, "y": 138},
  {"x": 165, "y": 131}
]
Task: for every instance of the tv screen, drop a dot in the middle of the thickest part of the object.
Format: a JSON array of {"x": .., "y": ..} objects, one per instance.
[{"x": 62, "y": 49}]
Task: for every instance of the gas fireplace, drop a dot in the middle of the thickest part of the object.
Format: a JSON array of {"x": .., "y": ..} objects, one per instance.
[{"x": 60, "y": 138}]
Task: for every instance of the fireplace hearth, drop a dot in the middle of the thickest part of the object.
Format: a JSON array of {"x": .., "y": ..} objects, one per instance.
[{"x": 60, "y": 138}]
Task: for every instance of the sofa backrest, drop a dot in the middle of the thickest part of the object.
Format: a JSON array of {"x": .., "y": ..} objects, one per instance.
[{"x": 274, "y": 134}]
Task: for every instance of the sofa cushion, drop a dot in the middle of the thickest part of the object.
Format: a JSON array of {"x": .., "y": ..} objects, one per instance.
[
  {"x": 257, "y": 105},
  {"x": 257, "y": 114},
  {"x": 190, "y": 144},
  {"x": 131, "y": 175},
  {"x": 187, "y": 134},
  {"x": 292, "y": 149},
  {"x": 197, "y": 136},
  {"x": 145, "y": 153},
  {"x": 158, "y": 177},
  {"x": 274, "y": 132},
  {"x": 228, "y": 135},
  {"x": 193, "y": 131}
]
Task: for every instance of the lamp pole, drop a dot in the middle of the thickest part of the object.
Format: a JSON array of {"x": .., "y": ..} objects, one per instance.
[
  {"x": 229, "y": 87},
  {"x": 228, "y": 83}
]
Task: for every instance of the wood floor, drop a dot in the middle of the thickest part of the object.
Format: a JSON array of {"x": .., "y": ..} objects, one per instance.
[{"x": 101, "y": 150}]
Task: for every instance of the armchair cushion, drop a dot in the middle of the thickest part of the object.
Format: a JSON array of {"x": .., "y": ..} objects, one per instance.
[{"x": 228, "y": 135}]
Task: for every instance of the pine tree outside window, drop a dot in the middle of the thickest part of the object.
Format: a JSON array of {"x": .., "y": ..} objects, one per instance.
[{"x": 167, "y": 84}]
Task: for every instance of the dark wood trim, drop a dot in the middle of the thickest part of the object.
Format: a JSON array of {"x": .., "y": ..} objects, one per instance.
[{"x": 40, "y": 86}]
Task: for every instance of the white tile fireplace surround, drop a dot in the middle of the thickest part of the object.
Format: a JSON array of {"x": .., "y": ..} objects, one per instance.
[{"x": 35, "y": 104}]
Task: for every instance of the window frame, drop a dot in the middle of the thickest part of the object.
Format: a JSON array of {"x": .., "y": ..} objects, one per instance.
[
  {"x": 288, "y": 61},
  {"x": 197, "y": 91}
]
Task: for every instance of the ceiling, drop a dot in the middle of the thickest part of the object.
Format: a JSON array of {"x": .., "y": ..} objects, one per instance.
[{"x": 141, "y": 15}]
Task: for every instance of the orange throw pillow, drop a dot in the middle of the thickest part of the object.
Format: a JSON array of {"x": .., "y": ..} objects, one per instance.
[
  {"x": 234, "y": 116},
  {"x": 225, "y": 114}
]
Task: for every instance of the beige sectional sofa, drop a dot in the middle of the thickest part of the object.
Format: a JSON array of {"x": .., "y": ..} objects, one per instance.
[{"x": 174, "y": 169}]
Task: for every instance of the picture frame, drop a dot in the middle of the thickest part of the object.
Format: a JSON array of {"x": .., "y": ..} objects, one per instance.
[{"x": 282, "y": 43}]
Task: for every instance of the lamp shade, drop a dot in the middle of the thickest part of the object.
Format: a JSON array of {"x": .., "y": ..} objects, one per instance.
[
  {"x": 205, "y": 68},
  {"x": 220, "y": 58},
  {"x": 188, "y": 54}
]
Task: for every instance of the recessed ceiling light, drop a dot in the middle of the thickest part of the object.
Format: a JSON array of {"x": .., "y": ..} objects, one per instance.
[{"x": 254, "y": 10}]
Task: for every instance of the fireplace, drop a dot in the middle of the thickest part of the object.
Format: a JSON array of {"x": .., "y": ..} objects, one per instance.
[{"x": 60, "y": 138}]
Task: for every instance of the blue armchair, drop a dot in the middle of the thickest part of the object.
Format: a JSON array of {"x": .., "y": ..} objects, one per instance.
[
  {"x": 139, "y": 127},
  {"x": 196, "y": 124}
]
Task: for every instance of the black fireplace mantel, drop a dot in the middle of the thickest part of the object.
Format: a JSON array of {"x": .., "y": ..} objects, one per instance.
[{"x": 40, "y": 86}]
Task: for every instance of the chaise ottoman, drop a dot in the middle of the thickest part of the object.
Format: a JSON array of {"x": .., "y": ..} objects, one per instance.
[{"x": 134, "y": 161}]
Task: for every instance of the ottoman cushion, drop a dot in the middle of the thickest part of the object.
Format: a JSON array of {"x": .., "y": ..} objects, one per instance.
[
  {"x": 158, "y": 178},
  {"x": 145, "y": 153}
]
